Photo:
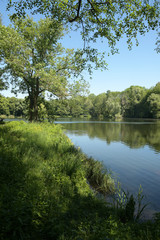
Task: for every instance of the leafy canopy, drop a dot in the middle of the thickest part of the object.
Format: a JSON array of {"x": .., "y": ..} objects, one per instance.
[
  {"x": 30, "y": 50},
  {"x": 107, "y": 19},
  {"x": 34, "y": 61}
]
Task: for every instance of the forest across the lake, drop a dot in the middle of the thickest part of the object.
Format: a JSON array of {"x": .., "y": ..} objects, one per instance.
[{"x": 133, "y": 102}]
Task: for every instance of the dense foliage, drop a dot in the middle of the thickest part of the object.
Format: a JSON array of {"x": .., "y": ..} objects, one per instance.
[
  {"x": 33, "y": 61},
  {"x": 44, "y": 192},
  {"x": 109, "y": 20},
  {"x": 12, "y": 107},
  {"x": 134, "y": 102}
]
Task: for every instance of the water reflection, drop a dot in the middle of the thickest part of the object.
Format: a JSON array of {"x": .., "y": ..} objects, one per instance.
[
  {"x": 132, "y": 134},
  {"x": 130, "y": 149}
]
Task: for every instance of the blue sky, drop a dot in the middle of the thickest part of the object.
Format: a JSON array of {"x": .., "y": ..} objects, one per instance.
[{"x": 140, "y": 66}]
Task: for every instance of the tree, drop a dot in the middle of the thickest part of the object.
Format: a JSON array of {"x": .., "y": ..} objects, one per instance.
[
  {"x": 156, "y": 89},
  {"x": 154, "y": 105},
  {"x": 3, "y": 84},
  {"x": 62, "y": 107},
  {"x": 4, "y": 105},
  {"x": 16, "y": 106},
  {"x": 87, "y": 106},
  {"x": 130, "y": 99},
  {"x": 100, "y": 105},
  {"x": 79, "y": 88},
  {"x": 113, "y": 106},
  {"x": 33, "y": 59},
  {"x": 76, "y": 106},
  {"x": 110, "y": 19},
  {"x": 153, "y": 100}
]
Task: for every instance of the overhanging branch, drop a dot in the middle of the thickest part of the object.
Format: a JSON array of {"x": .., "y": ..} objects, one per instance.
[
  {"x": 78, "y": 11},
  {"x": 93, "y": 10}
]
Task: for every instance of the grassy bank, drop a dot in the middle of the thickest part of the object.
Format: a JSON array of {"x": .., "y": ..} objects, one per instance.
[{"x": 44, "y": 190}]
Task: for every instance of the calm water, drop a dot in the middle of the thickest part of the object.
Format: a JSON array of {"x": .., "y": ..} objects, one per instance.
[{"x": 130, "y": 148}]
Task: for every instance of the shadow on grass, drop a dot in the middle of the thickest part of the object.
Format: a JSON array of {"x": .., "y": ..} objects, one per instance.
[
  {"x": 44, "y": 198},
  {"x": 31, "y": 212}
]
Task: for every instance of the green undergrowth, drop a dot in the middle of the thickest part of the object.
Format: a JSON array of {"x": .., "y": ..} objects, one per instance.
[{"x": 48, "y": 190}]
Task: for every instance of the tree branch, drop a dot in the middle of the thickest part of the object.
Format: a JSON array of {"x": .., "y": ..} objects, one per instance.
[
  {"x": 63, "y": 68},
  {"x": 93, "y": 10},
  {"x": 78, "y": 11}
]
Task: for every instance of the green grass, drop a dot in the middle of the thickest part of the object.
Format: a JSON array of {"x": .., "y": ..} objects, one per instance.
[{"x": 44, "y": 190}]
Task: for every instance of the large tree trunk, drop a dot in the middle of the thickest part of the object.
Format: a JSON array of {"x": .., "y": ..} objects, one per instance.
[
  {"x": 33, "y": 100},
  {"x": 33, "y": 107}
]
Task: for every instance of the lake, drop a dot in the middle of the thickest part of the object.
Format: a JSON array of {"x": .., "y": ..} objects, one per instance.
[{"x": 131, "y": 149}]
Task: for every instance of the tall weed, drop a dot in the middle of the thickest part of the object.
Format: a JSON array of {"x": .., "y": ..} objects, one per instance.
[{"x": 129, "y": 207}]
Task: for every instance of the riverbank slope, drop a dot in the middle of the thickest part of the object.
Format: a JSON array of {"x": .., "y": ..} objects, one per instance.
[{"x": 45, "y": 192}]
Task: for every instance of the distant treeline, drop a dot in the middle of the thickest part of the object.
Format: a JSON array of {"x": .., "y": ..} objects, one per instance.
[
  {"x": 134, "y": 102},
  {"x": 11, "y": 106}
]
